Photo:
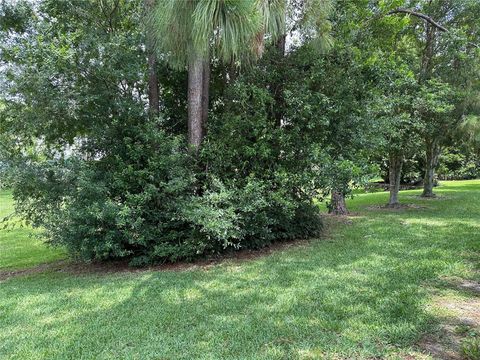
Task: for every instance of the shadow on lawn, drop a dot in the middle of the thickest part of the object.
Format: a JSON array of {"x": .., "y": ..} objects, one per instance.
[
  {"x": 356, "y": 295},
  {"x": 261, "y": 312},
  {"x": 352, "y": 301}
]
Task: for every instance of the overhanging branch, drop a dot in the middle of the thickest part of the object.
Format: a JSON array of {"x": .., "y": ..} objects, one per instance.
[{"x": 419, "y": 15}]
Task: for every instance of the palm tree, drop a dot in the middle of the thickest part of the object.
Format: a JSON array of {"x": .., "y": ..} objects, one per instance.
[{"x": 189, "y": 32}]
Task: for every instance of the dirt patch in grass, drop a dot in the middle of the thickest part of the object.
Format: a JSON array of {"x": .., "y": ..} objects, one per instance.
[
  {"x": 470, "y": 286},
  {"x": 332, "y": 220},
  {"x": 459, "y": 326},
  {"x": 4, "y": 275}
]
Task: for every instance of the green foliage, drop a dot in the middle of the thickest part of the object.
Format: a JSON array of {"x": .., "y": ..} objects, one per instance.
[
  {"x": 123, "y": 204},
  {"x": 434, "y": 104},
  {"x": 139, "y": 200},
  {"x": 105, "y": 179},
  {"x": 335, "y": 119},
  {"x": 267, "y": 166},
  {"x": 470, "y": 347},
  {"x": 76, "y": 66},
  {"x": 186, "y": 29},
  {"x": 357, "y": 293},
  {"x": 459, "y": 163},
  {"x": 15, "y": 17}
]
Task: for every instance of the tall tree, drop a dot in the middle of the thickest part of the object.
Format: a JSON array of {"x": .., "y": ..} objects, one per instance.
[
  {"x": 189, "y": 33},
  {"x": 393, "y": 109},
  {"x": 153, "y": 86},
  {"x": 444, "y": 37}
]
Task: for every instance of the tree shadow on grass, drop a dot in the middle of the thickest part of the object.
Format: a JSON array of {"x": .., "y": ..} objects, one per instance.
[
  {"x": 360, "y": 294},
  {"x": 351, "y": 302}
]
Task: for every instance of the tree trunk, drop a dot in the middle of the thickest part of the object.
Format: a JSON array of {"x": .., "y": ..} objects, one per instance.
[
  {"x": 205, "y": 94},
  {"x": 428, "y": 53},
  {"x": 195, "y": 100},
  {"x": 278, "y": 86},
  {"x": 153, "y": 90},
  {"x": 394, "y": 173},
  {"x": 338, "y": 205},
  {"x": 432, "y": 154},
  {"x": 281, "y": 44}
]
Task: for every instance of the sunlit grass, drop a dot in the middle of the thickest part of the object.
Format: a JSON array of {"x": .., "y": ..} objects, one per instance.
[
  {"x": 361, "y": 292},
  {"x": 18, "y": 248}
]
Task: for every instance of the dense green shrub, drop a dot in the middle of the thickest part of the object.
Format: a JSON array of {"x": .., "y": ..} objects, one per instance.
[
  {"x": 459, "y": 164},
  {"x": 275, "y": 170},
  {"x": 134, "y": 192},
  {"x": 130, "y": 189},
  {"x": 123, "y": 203}
]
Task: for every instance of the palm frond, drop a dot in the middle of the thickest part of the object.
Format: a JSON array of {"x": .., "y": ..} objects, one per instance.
[
  {"x": 229, "y": 25},
  {"x": 315, "y": 23},
  {"x": 171, "y": 23}
]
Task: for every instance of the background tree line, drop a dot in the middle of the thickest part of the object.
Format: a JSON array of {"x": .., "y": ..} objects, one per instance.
[{"x": 167, "y": 130}]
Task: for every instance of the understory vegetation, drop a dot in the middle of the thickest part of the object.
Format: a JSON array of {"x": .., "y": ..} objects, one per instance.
[
  {"x": 368, "y": 288},
  {"x": 239, "y": 179},
  {"x": 160, "y": 131}
]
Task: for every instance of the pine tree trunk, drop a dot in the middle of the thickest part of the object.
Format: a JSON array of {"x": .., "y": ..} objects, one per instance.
[
  {"x": 338, "y": 205},
  {"x": 153, "y": 88},
  {"x": 195, "y": 101},
  {"x": 394, "y": 173},
  {"x": 432, "y": 154}
]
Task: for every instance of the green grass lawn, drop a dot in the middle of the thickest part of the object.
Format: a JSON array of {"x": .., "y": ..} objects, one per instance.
[
  {"x": 18, "y": 248},
  {"x": 361, "y": 292}
]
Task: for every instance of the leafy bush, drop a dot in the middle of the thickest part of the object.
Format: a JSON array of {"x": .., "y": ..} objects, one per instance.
[
  {"x": 129, "y": 188},
  {"x": 459, "y": 164},
  {"x": 250, "y": 215},
  {"x": 133, "y": 192},
  {"x": 122, "y": 203}
]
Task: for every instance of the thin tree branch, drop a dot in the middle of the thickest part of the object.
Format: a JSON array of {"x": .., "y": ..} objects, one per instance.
[
  {"x": 426, "y": 18},
  {"x": 419, "y": 15}
]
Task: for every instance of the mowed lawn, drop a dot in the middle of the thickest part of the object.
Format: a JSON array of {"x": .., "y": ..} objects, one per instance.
[
  {"x": 18, "y": 248},
  {"x": 362, "y": 291}
]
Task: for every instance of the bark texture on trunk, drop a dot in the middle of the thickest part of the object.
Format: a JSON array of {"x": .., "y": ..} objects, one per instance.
[
  {"x": 432, "y": 147},
  {"x": 338, "y": 205},
  {"x": 205, "y": 94},
  {"x": 278, "y": 86},
  {"x": 153, "y": 88},
  {"x": 281, "y": 44},
  {"x": 428, "y": 52},
  {"x": 394, "y": 173},
  {"x": 153, "y": 91},
  {"x": 431, "y": 162},
  {"x": 195, "y": 100}
]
